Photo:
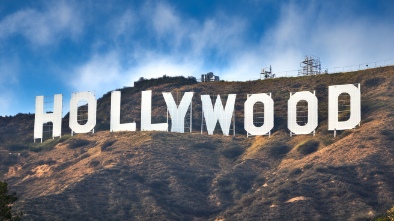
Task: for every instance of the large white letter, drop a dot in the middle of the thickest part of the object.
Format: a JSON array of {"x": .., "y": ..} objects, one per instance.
[
  {"x": 146, "y": 114},
  {"x": 55, "y": 117},
  {"x": 212, "y": 115},
  {"x": 178, "y": 113},
  {"x": 115, "y": 124},
  {"x": 92, "y": 108},
  {"x": 268, "y": 114},
  {"x": 355, "y": 106},
  {"x": 292, "y": 112}
]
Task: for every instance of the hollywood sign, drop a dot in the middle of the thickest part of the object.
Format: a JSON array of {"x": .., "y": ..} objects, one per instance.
[{"x": 212, "y": 113}]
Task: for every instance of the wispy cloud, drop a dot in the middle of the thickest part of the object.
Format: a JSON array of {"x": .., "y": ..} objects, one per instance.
[
  {"x": 9, "y": 73},
  {"x": 40, "y": 27},
  {"x": 100, "y": 73},
  {"x": 344, "y": 39},
  {"x": 106, "y": 45},
  {"x": 43, "y": 27},
  {"x": 182, "y": 47},
  {"x": 104, "y": 72},
  {"x": 174, "y": 44},
  {"x": 7, "y": 99}
]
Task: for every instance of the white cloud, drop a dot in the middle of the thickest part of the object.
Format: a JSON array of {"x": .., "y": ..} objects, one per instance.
[
  {"x": 7, "y": 102},
  {"x": 101, "y": 74},
  {"x": 45, "y": 27},
  {"x": 160, "y": 65},
  {"x": 219, "y": 43},
  {"x": 164, "y": 19},
  {"x": 222, "y": 33},
  {"x": 356, "y": 42},
  {"x": 9, "y": 68},
  {"x": 189, "y": 40},
  {"x": 123, "y": 23},
  {"x": 343, "y": 40}
]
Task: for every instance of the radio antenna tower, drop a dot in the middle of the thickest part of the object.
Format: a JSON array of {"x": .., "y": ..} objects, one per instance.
[
  {"x": 310, "y": 66},
  {"x": 266, "y": 73}
]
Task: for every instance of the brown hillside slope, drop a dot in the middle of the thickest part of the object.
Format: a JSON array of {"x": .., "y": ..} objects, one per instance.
[{"x": 171, "y": 176}]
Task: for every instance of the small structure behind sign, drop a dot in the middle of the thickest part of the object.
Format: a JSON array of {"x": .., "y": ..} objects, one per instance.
[{"x": 209, "y": 77}]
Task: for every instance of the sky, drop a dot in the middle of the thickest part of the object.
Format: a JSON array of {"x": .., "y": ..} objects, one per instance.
[{"x": 60, "y": 47}]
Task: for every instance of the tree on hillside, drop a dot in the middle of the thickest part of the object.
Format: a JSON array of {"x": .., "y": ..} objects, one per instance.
[
  {"x": 388, "y": 217},
  {"x": 6, "y": 200}
]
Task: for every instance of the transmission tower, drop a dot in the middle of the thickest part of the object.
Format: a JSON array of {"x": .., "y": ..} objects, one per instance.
[
  {"x": 266, "y": 73},
  {"x": 310, "y": 66}
]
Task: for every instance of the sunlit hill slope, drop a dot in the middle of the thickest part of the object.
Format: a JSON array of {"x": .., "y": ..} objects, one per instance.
[{"x": 192, "y": 176}]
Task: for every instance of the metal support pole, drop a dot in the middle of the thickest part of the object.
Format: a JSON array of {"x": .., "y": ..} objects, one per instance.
[
  {"x": 233, "y": 124},
  {"x": 167, "y": 119},
  {"x": 191, "y": 115},
  {"x": 202, "y": 119}
]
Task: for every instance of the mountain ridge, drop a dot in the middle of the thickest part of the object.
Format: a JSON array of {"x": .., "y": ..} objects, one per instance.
[{"x": 170, "y": 176}]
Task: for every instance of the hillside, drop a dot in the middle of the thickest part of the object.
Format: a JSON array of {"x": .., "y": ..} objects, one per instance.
[{"x": 192, "y": 176}]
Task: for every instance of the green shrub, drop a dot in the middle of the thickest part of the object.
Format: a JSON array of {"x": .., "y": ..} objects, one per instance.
[
  {"x": 224, "y": 181},
  {"x": 388, "y": 217},
  {"x": 64, "y": 138},
  {"x": 226, "y": 185},
  {"x": 232, "y": 151},
  {"x": 77, "y": 143},
  {"x": 25, "y": 154},
  {"x": 390, "y": 213},
  {"x": 278, "y": 150},
  {"x": 94, "y": 163},
  {"x": 159, "y": 186},
  {"x": 9, "y": 159},
  {"x": 17, "y": 147},
  {"x": 369, "y": 119},
  {"x": 49, "y": 162},
  {"x": 107, "y": 144},
  {"x": 83, "y": 156},
  {"x": 260, "y": 180},
  {"x": 327, "y": 141},
  {"x": 46, "y": 145},
  {"x": 63, "y": 166},
  {"x": 244, "y": 181},
  {"x": 388, "y": 133},
  {"x": 296, "y": 85},
  {"x": 374, "y": 81},
  {"x": 205, "y": 145},
  {"x": 321, "y": 169},
  {"x": 370, "y": 138},
  {"x": 345, "y": 133},
  {"x": 308, "y": 166},
  {"x": 382, "y": 219},
  {"x": 137, "y": 177},
  {"x": 308, "y": 147},
  {"x": 35, "y": 149},
  {"x": 295, "y": 171},
  {"x": 365, "y": 107}
]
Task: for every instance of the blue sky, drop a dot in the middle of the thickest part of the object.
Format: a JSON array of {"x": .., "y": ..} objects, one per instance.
[{"x": 60, "y": 47}]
